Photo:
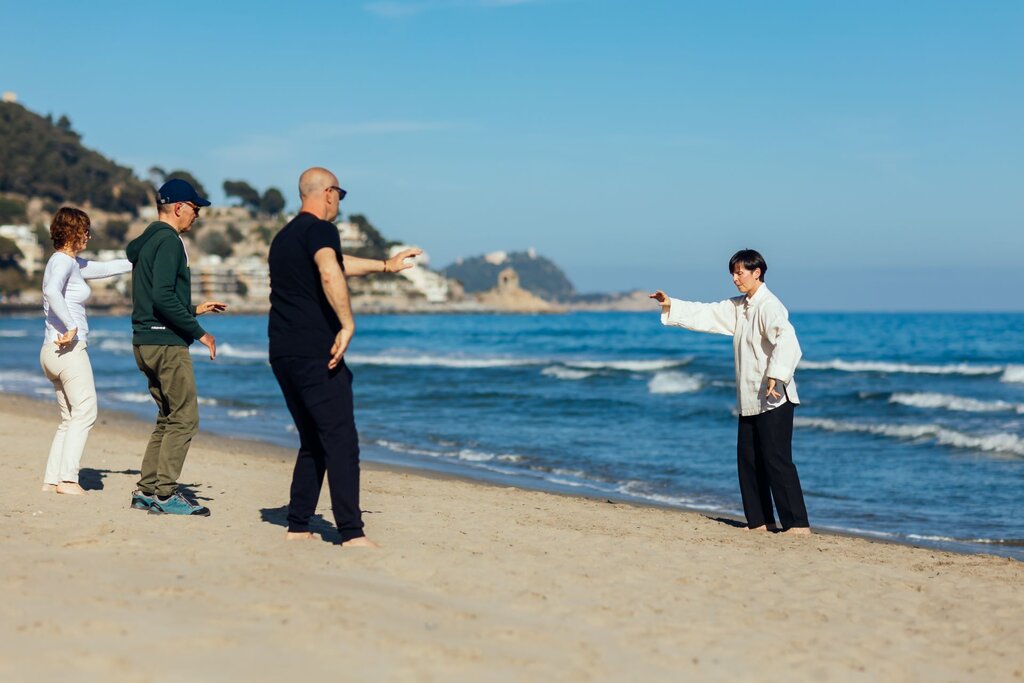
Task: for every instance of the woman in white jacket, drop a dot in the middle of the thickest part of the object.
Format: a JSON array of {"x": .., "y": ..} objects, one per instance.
[
  {"x": 767, "y": 352},
  {"x": 63, "y": 356}
]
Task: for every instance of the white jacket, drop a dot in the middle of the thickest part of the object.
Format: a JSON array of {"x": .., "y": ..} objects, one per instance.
[{"x": 763, "y": 341}]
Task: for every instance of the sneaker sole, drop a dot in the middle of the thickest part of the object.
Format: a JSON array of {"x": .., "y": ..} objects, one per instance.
[{"x": 155, "y": 510}]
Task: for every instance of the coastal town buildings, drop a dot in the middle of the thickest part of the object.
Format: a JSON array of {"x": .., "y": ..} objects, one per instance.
[{"x": 31, "y": 259}]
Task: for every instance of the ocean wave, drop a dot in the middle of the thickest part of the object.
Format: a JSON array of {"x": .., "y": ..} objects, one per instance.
[
  {"x": 13, "y": 334},
  {"x": 673, "y": 383},
  {"x": 227, "y": 350},
  {"x": 143, "y": 397},
  {"x": 465, "y": 454},
  {"x": 952, "y": 402},
  {"x": 116, "y": 345},
  {"x": 243, "y": 412},
  {"x": 560, "y": 372},
  {"x": 1002, "y": 442},
  {"x": 1013, "y": 374},
  {"x": 906, "y": 368},
  {"x": 439, "y": 361},
  {"x": 638, "y": 489},
  {"x": 628, "y": 365},
  {"x": 23, "y": 377}
]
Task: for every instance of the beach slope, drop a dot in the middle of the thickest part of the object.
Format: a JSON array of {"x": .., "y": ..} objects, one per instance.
[{"x": 473, "y": 582}]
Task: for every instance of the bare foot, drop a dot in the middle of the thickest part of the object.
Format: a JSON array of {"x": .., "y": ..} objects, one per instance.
[
  {"x": 756, "y": 528},
  {"x": 49, "y": 488},
  {"x": 70, "y": 488},
  {"x": 298, "y": 536},
  {"x": 361, "y": 542},
  {"x": 798, "y": 531}
]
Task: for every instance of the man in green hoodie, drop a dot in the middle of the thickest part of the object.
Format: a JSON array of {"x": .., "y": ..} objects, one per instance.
[{"x": 164, "y": 325}]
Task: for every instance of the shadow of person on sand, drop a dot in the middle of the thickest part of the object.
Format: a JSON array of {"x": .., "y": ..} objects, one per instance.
[
  {"x": 317, "y": 524},
  {"x": 91, "y": 479},
  {"x": 736, "y": 524},
  {"x": 190, "y": 490}
]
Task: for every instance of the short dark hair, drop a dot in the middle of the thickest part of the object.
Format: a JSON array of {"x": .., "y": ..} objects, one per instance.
[
  {"x": 69, "y": 226},
  {"x": 751, "y": 261}
]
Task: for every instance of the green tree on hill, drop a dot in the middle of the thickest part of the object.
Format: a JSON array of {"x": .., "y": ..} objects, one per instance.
[
  {"x": 272, "y": 203},
  {"x": 244, "y": 192},
  {"x": 12, "y": 211},
  {"x": 376, "y": 246}
]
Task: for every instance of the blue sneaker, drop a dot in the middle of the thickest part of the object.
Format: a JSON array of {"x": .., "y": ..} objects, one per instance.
[
  {"x": 177, "y": 504},
  {"x": 142, "y": 501}
]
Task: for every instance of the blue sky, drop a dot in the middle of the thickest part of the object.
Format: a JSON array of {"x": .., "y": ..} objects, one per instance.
[{"x": 871, "y": 150}]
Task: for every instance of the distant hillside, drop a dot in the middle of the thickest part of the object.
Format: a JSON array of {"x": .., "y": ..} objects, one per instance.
[
  {"x": 537, "y": 274},
  {"x": 40, "y": 158}
]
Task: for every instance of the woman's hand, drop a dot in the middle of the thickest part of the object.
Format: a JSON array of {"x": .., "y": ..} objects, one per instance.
[
  {"x": 66, "y": 338},
  {"x": 208, "y": 306},
  {"x": 771, "y": 393}
]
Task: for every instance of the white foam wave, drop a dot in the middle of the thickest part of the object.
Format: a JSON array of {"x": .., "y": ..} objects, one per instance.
[
  {"x": 1013, "y": 374},
  {"x": 673, "y": 383},
  {"x": 143, "y": 397},
  {"x": 13, "y": 334},
  {"x": 241, "y": 412},
  {"x": 467, "y": 454},
  {"x": 559, "y": 372},
  {"x": 23, "y": 377},
  {"x": 993, "y": 443},
  {"x": 952, "y": 402},
  {"x": 116, "y": 345},
  {"x": 439, "y": 361},
  {"x": 227, "y": 350},
  {"x": 628, "y": 365},
  {"x": 907, "y": 368}
]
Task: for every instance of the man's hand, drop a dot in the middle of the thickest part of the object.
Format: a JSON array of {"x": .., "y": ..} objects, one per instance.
[
  {"x": 771, "y": 393},
  {"x": 66, "y": 338},
  {"x": 397, "y": 263},
  {"x": 209, "y": 342},
  {"x": 661, "y": 298},
  {"x": 339, "y": 346},
  {"x": 208, "y": 306}
]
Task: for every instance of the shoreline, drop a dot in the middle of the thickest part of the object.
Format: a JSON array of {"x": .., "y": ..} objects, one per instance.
[{"x": 129, "y": 424}]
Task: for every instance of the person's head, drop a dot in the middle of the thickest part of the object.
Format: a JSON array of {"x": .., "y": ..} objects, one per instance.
[
  {"x": 320, "y": 193},
  {"x": 747, "y": 268},
  {"x": 178, "y": 204},
  {"x": 69, "y": 229}
]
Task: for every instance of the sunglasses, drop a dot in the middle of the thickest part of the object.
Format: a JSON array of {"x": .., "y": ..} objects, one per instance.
[
  {"x": 341, "y": 192},
  {"x": 194, "y": 207}
]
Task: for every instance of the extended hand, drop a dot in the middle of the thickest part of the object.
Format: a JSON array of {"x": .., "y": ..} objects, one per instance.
[
  {"x": 661, "y": 298},
  {"x": 397, "y": 262},
  {"x": 208, "y": 306},
  {"x": 209, "y": 342},
  {"x": 66, "y": 338},
  {"x": 339, "y": 346},
  {"x": 771, "y": 393}
]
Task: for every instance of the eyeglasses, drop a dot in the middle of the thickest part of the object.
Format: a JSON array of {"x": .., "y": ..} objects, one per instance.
[
  {"x": 341, "y": 192},
  {"x": 194, "y": 207}
]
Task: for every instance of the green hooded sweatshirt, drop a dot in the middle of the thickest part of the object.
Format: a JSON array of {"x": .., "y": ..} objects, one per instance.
[{"x": 162, "y": 310}]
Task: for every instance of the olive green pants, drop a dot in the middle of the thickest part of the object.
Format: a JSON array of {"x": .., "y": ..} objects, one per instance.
[{"x": 172, "y": 383}]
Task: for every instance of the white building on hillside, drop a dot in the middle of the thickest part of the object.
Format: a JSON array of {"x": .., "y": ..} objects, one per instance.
[
  {"x": 351, "y": 236},
  {"x": 31, "y": 259}
]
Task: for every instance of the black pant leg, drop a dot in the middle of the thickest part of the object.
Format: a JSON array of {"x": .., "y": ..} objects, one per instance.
[
  {"x": 775, "y": 434},
  {"x": 764, "y": 488},
  {"x": 308, "y": 474},
  {"x": 746, "y": 466},
  {"x": 328, "y": 398}
]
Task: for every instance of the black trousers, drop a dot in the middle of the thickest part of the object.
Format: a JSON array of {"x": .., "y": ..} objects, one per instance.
[
  {"x": 320, "y": 401},
  {"x": 764, "y": 458}
]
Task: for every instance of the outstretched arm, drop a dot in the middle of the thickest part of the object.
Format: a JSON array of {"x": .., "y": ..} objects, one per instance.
[
  {"x": 716, "y": 318},
  {"x": 94, "y": 270},
  {"x": 356, "y": 266}
]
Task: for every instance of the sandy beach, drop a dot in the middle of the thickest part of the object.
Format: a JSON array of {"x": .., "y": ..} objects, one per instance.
[{"x": 473, "y": 582}]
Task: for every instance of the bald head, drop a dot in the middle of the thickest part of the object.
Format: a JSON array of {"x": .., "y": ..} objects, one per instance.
[
  {"x": 320, "y": 194},
  {"x": 314, "y": 181}
]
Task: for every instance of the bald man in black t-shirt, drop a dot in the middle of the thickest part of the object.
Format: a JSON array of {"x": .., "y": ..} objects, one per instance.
[{"x": 310, "y": 328}]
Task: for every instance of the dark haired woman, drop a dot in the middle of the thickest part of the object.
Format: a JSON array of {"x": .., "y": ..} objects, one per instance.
[
  {"x": 766, "y": 351},
  {"x": 64, "y": 357}
]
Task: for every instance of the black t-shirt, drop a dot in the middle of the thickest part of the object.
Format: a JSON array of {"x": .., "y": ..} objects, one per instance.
[{"x": 302, "y": 322}]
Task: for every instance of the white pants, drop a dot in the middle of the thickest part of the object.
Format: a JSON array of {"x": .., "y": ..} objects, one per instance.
[{"x": 71, "y": 374}]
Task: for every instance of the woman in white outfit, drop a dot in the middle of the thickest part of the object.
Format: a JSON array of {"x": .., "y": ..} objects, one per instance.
[{"x": 64, "y": 357}]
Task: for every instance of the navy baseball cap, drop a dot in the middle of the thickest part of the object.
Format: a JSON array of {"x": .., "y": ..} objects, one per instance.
[{"x": 178, "y": 190}]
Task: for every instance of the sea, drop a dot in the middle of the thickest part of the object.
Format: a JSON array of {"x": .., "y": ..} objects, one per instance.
[{"x": 911, "y": 427}]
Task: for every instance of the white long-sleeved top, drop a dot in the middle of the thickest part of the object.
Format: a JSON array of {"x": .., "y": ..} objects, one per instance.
[
  {"x": 65, "y": 292},
  {"x": 764, "y": 343}
]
